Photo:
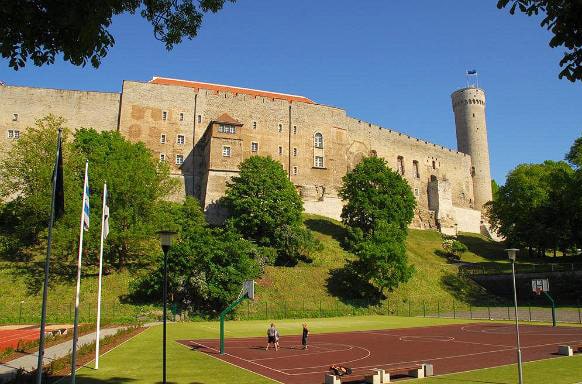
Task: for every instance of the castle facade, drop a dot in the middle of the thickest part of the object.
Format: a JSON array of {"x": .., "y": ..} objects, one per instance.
[{"x": 205, "y": 130}]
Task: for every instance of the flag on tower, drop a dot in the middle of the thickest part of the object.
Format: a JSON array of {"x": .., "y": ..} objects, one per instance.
[{"x": 472, "y": 72}]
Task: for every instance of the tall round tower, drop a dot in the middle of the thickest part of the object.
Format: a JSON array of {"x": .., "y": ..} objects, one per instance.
[{"x": 469, "y": 108}]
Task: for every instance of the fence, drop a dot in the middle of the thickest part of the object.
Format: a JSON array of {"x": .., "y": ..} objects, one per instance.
[
  {"x": 29, "y": 313},
  {"x": 111, "y": 312},
  {"x": 532, "y": 311},
  {"x": 505, "y": 268}
]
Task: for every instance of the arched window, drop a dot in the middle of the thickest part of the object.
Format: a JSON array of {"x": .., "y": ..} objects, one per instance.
[{"x": 318, "y": 140}]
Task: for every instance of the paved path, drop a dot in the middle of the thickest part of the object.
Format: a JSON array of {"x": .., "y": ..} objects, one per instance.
[{"x": 28, "y": 363}]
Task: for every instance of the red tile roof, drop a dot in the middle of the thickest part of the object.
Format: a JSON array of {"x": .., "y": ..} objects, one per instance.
[
  {"x": 228, "y": 88},
  {"x": 227, "y": 119}
]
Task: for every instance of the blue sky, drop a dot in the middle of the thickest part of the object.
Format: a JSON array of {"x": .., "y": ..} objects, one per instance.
[{"x": 393, "y": 63}]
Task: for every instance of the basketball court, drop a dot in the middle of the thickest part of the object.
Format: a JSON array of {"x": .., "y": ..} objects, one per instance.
[{"x": 450, "y": 348}]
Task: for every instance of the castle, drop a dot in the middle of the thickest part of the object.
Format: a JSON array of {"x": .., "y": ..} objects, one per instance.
[{"x": 205, "y": 130}]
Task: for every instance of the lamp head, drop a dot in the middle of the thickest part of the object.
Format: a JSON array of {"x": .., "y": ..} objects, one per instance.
[
  {"x": 512, "y": 253},
  {"x": 166, "y": 238}
]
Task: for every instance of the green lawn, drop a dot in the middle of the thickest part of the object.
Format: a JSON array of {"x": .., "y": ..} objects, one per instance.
[{"x": 139, "y": 360}]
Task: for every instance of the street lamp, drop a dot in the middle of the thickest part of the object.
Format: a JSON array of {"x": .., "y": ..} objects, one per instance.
[
  {"x": 166, "y": 238},
  {"x": 512, "y": 253}
]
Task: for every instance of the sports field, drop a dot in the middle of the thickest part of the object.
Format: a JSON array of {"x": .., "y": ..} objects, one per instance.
[{"x": 139, "y": 360}]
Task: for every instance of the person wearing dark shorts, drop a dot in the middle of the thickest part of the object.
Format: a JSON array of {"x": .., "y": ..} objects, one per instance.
[
  {"x": 272, "y": 337},
  {"x": 305, "y": 336}
]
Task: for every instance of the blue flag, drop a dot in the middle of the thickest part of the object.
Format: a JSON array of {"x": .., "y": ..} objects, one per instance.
[
  {"x": 472, "y": 72},
  {"x": 86, "y": 204}
]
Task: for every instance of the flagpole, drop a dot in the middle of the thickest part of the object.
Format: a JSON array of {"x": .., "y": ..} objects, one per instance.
[
  {"x": 100, "y": 276},
  {"x": 76, "y": 323},
  {"x": 46, "y": 267}
]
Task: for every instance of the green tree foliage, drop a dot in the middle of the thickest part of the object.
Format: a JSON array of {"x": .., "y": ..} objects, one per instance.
[
  {"x": 266, "y": 209},
  {"x": 454, "y": 248},
  {"x": 562, "y": 19},
  {"x": 136, "y": 182},
  {"x": 494, "y": 189},
  {"x": 206, "y": 267},
  {"x": 379, "y": 205},
  {"x": 533, "y": 207},
  {"x": 574, "y": 155},
  {"x": 373, "y": 192},
  {"x": 79, "y": 30}
]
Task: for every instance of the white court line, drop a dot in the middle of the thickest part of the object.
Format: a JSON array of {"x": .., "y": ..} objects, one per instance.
[
  {"x": 453, "y": 339},
  {"x": 510, "y": 331},
  {"x": 350, "y": 347},
  {"x": 327, "y": 365},
  {"x": 234, "y": 365}
]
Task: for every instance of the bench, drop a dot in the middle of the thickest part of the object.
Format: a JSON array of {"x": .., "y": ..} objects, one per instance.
[
  {"x": 382, "y": 376},
  {"x": 568, "y": 350},
  {"x": 332, "y": 379}
]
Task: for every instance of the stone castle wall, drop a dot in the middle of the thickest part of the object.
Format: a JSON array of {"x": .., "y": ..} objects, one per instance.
[{"x": 280, "y": 129}]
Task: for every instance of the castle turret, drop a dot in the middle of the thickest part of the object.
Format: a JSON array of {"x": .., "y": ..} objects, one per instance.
[{"x": 469, "y": 108}]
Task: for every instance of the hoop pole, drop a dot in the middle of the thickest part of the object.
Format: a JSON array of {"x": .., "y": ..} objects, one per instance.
[
  {"x": 553, "y": 308},
  {"x": 222, "y": 316}
]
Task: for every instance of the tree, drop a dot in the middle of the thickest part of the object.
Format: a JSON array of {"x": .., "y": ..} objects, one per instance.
[
  {"x": 373, "y": 192},
  {"x": 207, "y": 268},
  {"x": 532, "y": 207},
  {"x": 382, "y": 257},
  {"x": 494, "y": 189},
  {"x": 42, "y": 29},
  {"x": 379, "y": 205},
  {"x": 562, "y": 18},
  {"x": 574, "y": 155},
  {"x": 262, "y": 200}
]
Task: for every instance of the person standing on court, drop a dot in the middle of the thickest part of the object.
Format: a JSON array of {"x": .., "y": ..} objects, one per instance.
[
  {"x": 272, "y": 337},
  {"x": 304, "y": 336}
]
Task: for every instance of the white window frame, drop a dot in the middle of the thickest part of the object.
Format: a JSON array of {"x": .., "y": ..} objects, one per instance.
[
  {"x": 179, "y": 159},
  {"x": 16, "y": 134},
  {"x": 10, "y": 134},
  {"x": 183, "y": 140},
  {"x": 227, "y": 128},
  {"x": 162, "y": 156},
  {"x": 254, "y": 146},
  {"x": 15, "y": 117},
  {"x": 317, "y": 160},
  {"x": 199, "y": 119},
  {"x": 254, "y": 125},
  {"x": 164, "y": 115},
  {"x": 318, "y": 140},
  {"x": 163, "y": 139},
  {"x": 226, "y": 151}
]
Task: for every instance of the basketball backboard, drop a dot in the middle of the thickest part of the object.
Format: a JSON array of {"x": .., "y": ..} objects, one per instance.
[{"x": 540, "y": 285}]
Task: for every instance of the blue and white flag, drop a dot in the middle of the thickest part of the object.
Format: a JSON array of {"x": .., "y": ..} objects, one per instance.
[
  {"x": 86, "y": 203},
  {"x": 105, "y": 212}
]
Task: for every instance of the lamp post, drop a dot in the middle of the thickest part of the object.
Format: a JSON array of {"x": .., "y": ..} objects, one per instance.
[
  {"x": 512, "y": 253},
  {"x": 166, "y": 238}
]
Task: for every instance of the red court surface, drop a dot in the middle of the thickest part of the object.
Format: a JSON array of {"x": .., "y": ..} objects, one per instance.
[
  {"x": 10, "y": 337},
  {"x": 450, "y": 348}
]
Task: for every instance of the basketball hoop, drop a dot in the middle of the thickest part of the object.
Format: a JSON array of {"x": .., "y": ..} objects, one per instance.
[
  {"x": 538, "y": 291},
  {"x": 540, "y": 285}
]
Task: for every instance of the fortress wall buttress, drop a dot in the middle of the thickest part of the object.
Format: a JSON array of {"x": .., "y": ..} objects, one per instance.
[{"x": 20, "y": 107}]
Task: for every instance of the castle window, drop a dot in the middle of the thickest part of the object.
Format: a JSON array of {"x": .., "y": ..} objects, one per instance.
[
  {"x": 163, "y": 138},
  {"x": 13, "y": 134},
  {"x": 280, "y": 128},
  {"x": 179, "y": 159},
  {"x": 199, "y": 118},
  {"x": 15, "y": 117},
  {"x": 254, "y": 146},
  {"x": 226, "y": 152},
  {"x": 318, "y": 140},
  {"x": 400, "y": 165},
  {"x": 162, "y": 157},
  {"x": 16, "y": 134},
  {"x": 295, "y": 151},
  {"x": 295, "y": 170},
  {"x": 164, "y": 115},
  {"x": 416, "y": 192},
  {"x": 472, "y": 171},
  {"x": 254, "y": 125},
  {"x": 294, "y": 129},
  {"x": 415, "y": 166},
  {"x": 226, "y": 128},
  {"x": 181, "y": 116},
  {"x": 180, "y": 140},
  {"x": 433, "y": 164},
  {"x": 318, "y": 162},
  {"x": 280, "y": 150}
]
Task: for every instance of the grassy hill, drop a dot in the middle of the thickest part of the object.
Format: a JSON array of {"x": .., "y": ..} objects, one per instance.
[{"x": 316, "y": 288}]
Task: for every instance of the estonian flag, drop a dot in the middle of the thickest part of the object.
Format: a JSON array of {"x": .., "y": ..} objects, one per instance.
[
  {"x": 59, "y": 205},
  {"x": 105, "y": 213},
  {"x": 86, "y": 203},
  {"x": 472, "y": 72}
]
